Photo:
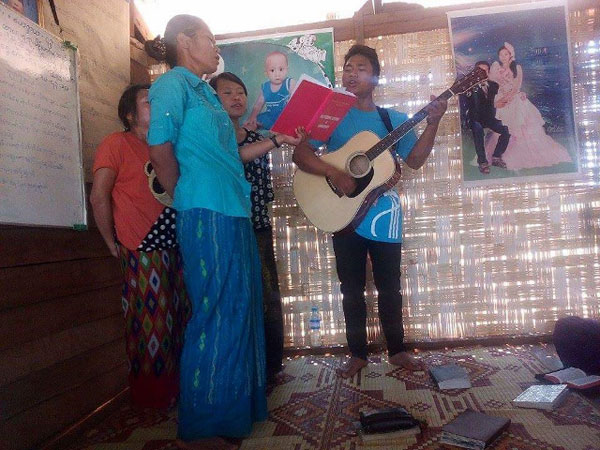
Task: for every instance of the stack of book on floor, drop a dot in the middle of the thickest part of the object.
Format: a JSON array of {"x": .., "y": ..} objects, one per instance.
[
  {"x": 450, "y": 376},
  {"x": 474, "y": 430},
  {"x": 391, "y": 428}
]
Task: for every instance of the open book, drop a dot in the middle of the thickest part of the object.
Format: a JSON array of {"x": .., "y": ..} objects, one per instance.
[
  {"x": 574, "y": 378},
  {"x": 315, "y": 107}
]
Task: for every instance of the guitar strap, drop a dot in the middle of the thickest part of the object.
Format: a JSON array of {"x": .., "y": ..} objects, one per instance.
[{"x": 385, "y": 118}]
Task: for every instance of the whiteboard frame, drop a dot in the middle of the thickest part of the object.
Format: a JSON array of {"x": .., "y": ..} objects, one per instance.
[{"x": 74, "y": 56}]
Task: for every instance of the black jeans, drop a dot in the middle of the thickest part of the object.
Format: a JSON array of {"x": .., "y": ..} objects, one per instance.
[
  {"x": 351, "y": 260},
  {"x": 494, "y": 125},
  {"x": 273, "y": 316}
]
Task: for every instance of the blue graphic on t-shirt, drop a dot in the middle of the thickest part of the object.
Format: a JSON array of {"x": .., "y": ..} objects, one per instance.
[{"x": 383, "y": 221}]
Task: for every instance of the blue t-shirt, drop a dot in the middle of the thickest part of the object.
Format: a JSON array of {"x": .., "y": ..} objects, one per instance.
[
  {"x": 185, "y": 111},
  {"x": 383, "y": 221}
]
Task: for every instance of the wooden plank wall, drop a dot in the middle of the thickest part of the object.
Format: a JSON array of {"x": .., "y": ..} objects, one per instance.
[
  {"x": 61, "y": 340},
  {"x": 62, "y": 348},
  {"x": 138, "y": 34}
]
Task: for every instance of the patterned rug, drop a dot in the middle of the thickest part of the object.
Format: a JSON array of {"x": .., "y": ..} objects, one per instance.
[{"x": 311, "y": 408}]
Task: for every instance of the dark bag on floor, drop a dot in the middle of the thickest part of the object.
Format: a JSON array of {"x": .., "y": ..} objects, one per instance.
[{"x": 386, "y": 420}]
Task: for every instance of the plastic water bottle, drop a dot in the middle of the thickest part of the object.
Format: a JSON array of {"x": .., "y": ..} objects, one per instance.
[{"x": 315, "y": 327}]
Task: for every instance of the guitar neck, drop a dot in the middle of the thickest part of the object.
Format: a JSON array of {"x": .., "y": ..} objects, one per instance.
[{"x": 399, "y": 132}]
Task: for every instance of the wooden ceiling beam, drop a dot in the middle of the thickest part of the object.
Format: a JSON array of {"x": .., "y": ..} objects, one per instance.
[{"x": 376, "y": 19}]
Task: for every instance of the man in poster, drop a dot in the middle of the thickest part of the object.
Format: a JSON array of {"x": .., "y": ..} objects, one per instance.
[{"x": 481, "y": 114}]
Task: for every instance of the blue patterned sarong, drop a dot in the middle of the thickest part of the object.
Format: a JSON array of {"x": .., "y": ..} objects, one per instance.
[{"x": 223, "y": 359}]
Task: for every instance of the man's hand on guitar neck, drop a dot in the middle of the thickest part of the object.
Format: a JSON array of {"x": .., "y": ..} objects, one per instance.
[
  {"x": 342, "y": 181},
  {"x": 421, "y": 150},
  {"x": 436, "y": 110}
]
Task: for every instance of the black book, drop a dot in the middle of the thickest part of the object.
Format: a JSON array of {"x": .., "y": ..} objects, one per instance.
[{"x": 474, "y": 430}]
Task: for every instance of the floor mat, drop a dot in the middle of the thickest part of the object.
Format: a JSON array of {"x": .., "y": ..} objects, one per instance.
[{"x": 312, "y": 408}]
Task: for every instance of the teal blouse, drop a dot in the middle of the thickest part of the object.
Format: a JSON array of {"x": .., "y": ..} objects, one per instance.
[{"x": 185, "y": 111}]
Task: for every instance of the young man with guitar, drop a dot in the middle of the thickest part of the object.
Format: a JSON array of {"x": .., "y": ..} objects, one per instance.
[{"x": 379, "y": 233}]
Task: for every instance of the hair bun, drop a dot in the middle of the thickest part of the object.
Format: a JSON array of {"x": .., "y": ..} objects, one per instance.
[{"x": 156, "y": 48}]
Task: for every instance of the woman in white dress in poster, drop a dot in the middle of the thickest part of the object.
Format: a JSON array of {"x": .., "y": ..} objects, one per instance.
[{"x": 529, "y": 145}]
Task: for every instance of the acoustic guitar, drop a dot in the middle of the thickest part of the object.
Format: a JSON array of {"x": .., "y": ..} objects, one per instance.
[{"x": 366, "y": 157}]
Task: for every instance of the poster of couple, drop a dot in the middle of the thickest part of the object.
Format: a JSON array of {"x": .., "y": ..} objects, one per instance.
[{"x": 519, "y": 125}]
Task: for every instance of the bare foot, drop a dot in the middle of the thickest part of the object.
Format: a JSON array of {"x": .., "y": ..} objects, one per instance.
[
  {"x": 351, "y": 367},
  {"x": 215, "y": 443},
  {"x": 406, "y": 361}
]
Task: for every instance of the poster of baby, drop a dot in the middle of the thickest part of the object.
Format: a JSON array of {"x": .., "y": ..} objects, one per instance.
[{"x": 270, "y": 66}]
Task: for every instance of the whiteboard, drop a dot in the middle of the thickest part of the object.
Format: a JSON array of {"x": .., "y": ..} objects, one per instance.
[{"x": 41, "y": 174}]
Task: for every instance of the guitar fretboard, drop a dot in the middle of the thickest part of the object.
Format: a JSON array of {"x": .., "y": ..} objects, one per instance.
[{"x": 399, "y": 132}]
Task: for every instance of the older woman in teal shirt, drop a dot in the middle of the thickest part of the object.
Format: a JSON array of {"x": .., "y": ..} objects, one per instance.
[{"x": 195, "y": 155}]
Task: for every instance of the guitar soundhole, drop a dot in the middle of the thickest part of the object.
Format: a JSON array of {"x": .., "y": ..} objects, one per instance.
[
  {"x": 362, "y": 183},
  {"x": 359, "y": 165}
]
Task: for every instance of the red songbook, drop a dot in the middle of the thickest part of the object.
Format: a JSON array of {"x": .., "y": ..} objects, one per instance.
[{"x": 315, "y": 107}]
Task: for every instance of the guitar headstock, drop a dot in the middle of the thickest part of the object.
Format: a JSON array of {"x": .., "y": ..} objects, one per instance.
[{"x": 469, "y": 81}]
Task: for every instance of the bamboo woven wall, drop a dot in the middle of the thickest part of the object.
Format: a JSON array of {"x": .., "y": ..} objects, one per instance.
[{"x": 477, "y": 262}]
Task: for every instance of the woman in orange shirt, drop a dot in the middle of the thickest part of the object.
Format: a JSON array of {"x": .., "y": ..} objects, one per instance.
[{"x": 140, "y": 231}]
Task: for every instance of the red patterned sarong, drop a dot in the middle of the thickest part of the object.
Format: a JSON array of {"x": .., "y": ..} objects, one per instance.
[{"x": 156, "y": 307}]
